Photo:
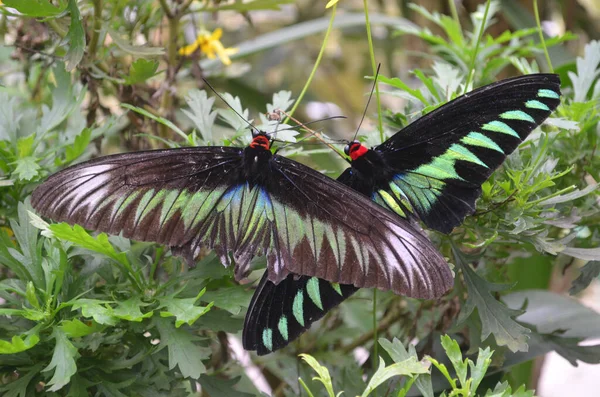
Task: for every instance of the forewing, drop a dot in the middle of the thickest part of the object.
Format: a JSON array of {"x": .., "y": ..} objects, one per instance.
[
  {"x": 327, "y": 230},
  {"x": 441, "y": 159},
  {"x": 278, "y": 314},
  {"x": 167, "y": 196}
]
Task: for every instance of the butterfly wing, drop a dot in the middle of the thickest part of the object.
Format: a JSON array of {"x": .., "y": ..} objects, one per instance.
[
  {"x": 279, "y": 313},
  {"x": 304, "y": 222},
  {"x": 440, "y": 161}
]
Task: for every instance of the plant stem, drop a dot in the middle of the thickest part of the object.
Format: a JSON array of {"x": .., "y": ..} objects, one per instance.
[
  {"x": 474, "y": 56},
  {"x": 541, "y": 33},
  {"x": 374, "y": 67},
  {"x": 316, "y": 65},
  {"x": 97, "y": 28},
  {"x": 455, "y": 15}
]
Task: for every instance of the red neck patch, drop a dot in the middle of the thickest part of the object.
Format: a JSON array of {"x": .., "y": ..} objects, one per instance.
[
  {"x": 260, "y": 141},
  {"x": 357, "y": 150}
]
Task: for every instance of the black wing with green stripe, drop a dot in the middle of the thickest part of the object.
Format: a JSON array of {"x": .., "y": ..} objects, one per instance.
[{"x": 438, "y": 163}]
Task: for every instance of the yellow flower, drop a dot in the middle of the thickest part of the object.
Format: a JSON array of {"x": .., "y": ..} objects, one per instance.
[
  {"x": 210, "y": 44},
  {"x": 331, "y": 3}
]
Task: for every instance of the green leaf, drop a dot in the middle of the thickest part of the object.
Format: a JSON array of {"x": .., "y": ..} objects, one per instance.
[
  {"x": 201, "y": 112},
  {"x": 569, "y": 348},
  {"x": 141, "y": 70},
  {"x": 76, "y": 234},
  {"x": 221, "y": 320},
  {"x": 587, "y": 71},
  {"x": 19, "y": 343},
  {"x": 183, "y": 352},
  {"x": 455, "y": 355},
  {"x": 250, "y": 6},
  {"x": 37, "y": 8},
  {"x": 25, "y": 146},
  {"x": 479, "y": 369},
  {"x": 183, "y": 309},
  {"x": 31, "y": 295},
  {"x": 588, "y": 274},
  {"x": 505, "y": 390},
  {"x": 322, "y": 371},
  {"x": 76, "y": 329},
  {"x": 232, "y": 299},
  {"x": 138, "y": 51},
  {"x": 74, "y": 151},
  {"x": 398, "y": 353},
  {"x": 63, "y": 361},
  {"x": 130, "y": 310},
  {"x": 96, "y": 309},
  {"x": 76, "y": 37},
  {"x": 496, "y": 318},
  {"x": 409, "y": 367},
  {"x": 18, "y": 388},
  {"x": 218, "y": 387},
  {"x": 27, "y": 168}
]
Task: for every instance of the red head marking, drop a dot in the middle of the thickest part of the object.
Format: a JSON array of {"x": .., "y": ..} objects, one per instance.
[
  {"x": 260, "y": 141},
  {"x": 356, "y": 150}
]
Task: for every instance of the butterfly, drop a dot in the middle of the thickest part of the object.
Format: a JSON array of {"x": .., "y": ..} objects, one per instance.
[
  {"x": 247, "y": 202},
  {"x": 431, "y": 170}
]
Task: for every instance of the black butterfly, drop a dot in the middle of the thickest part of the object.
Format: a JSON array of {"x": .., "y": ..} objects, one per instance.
[
  {"x": 247, "y": 201},
  {"x": 431, "y": 170}
]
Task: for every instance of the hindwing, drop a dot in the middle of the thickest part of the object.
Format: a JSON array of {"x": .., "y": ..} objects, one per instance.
[{"x": 440, "y": 160}]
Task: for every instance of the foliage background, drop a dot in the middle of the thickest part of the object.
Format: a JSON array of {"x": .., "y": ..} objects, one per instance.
[{"x": 94, "y": 315}]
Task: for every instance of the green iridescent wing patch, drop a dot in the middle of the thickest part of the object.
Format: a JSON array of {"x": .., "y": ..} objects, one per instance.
[
  {"x": 242, "y": 203},
  {"x": 278, "y": 314},
  {"x": 440, "y": 161}
]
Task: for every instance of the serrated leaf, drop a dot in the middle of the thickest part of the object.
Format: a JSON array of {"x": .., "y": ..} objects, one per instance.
[
  {"x": 63, "y": 361},
  {"x": 76, "y": 234},
  {"x": 409, "y": 367},
  {"x": 321, "y": 370},
  {"x": 496, "y": 318},
  {"x": 18, "y": 387},
  {"x": 27, "y": 168},
  {"x": 218, "y": 387},
  {"x": 236, "y": 116},
  {"x": 74, "y": 151},
  {"x": 201, "y": 112},
  {"x": 183, "y": 352},
  {"x": 140, "y": 51},
  {"x": 569, "y": 348},
  {"x": 76, "y": 328},
  {"x": 130, "y": 310},
  {"x": 19, "y": 343},
  {"x": 505, "y": 390},
  {"x": 479, "y": 369},
  {"x": 232, "y": 299},
  {"x": 587, "y": 71},
  {"x": 37, "y": 8},
  {"x": 564, "y": 198},
  {"x": 76, "y": 38},
  {"x": 398, "y": 353},
  {"x": 183, "y": 309},
  {"x": 455, "y": 355},
  {"x": 96, "y": 309},
  {"x": 141, "y": 70},
  {"x": 589, "y": 272}
]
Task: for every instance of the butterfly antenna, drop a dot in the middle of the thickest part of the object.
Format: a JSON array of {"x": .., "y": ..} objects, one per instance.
[
  {"x": 227, "y": 103},
  {"x": 368, "y": 101},
  {"x": 317, "y": 135}
]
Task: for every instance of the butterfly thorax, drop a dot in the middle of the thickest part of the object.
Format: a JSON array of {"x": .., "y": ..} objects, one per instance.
[
  {"x": 256, "y": 160},
  {"x": 369, "y": 171}
]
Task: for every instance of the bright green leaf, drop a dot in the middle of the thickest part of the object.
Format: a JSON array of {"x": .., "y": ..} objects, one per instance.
[
  {"x": 232, "y": 299},
  {"x": 25, "y": 146},
  {"x": 76, "y": 328},
  {"x": 31, "y": 295},
  {"x": 409, "y": 367},
  {"x": 76, "y": 37},
  {"x": 63, "y": 361},
  {"x": 19, "y": 343},
  {"x": 183, "y": 309},
  {"x": 37, "y": 8},
  {"x": 78, "y": 147},
  {"x": 96, "y": 309},
  {"x": 27, "y": 168},
  {"x": 130, "y": 310},
  {"x": 455, "y": 355},
  {"x": 398, "y": 353},
  {"x": 322, "y": 371},
  {"x": 479, "y": 369},
  {"x": 141, "y": 70}
]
